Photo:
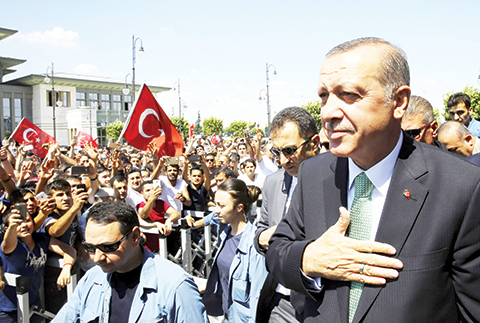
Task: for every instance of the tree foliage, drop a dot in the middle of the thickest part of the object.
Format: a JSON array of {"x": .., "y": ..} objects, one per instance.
[
  {"x": 198, "y": 125},
  {"x": 114, "y": 130},
  {"x": 237, "y": 128},
  {"x": 474, "y": 95},
  {"x": 212, "y": 125},
  {"x": 315, "y": 108},
  {"x": 185, "y": 125}
]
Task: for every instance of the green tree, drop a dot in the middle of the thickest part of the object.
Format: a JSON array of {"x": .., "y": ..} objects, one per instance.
[
  {"x": 212, "y": 125},
  {"x": 185, "y": 126},
  {"x": 315, "y": 108},
  {"x": 198, "y": 125},
  {"x": 474, "y": 95},
  {"x": 114, "y": 130},
  {"x": 237, "y": 128}
]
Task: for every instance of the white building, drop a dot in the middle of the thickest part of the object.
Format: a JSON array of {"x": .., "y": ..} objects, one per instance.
[{"x": 83, "y": 103}]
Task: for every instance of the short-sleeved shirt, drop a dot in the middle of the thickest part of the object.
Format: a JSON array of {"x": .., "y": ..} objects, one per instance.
[
  {"x": 70, "y": 236},
  {"x": 25, "y": 262},
  {"x": 199, "y": 197},
  {"x": 158, "y": 212},
  {"x": 169, "y": 192}
]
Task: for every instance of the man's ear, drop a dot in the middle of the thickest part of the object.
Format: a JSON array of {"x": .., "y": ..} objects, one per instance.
[
  {"x": 434, "y": 127},
  {"x": 401, "y": 99},
  {"x": 315, "y": 142},
  {"x": 136, "y": 235}
]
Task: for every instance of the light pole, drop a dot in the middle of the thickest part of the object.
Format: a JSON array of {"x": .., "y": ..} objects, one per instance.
[
  {"x": 126, "y": 90},
  {"x": 268, "y": 94},
  {"x": 53, "y": 101},
  {"x": 134, "y": 41},
  {"x": 176, "y": 86}
]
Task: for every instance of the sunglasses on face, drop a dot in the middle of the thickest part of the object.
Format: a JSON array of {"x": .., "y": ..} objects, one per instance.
[
  {"x": 105, "y": 247},
  {"x": 209, "y": 160},
  {"x": 287, "y": 151},
  {"x": 416, "y": 132}
]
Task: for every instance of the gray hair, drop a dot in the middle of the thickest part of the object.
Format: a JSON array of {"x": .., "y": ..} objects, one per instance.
[
  {"x": 393, "y": 71},
  {"x": 418, "y": 106}
]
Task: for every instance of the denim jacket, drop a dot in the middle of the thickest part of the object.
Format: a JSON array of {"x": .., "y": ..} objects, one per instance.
[
  {"x": 165, "y": 294},
  {"x": 247, "y": 275}
]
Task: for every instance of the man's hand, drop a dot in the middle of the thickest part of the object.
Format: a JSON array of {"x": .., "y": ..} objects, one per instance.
[
  {"x": 336, "y": 257},
  {"x": 265, "y": 236},
  {"x": 47, "y": 206}
]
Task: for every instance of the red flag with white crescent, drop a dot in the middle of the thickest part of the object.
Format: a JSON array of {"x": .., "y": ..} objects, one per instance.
[
  {"x": 214, "y": 140},
  {"x": 190, "y": 133},
  {"x": 85, "y": 138},
  {"x": 29, "y": 134},
  {"x": 148, "y": 122}
]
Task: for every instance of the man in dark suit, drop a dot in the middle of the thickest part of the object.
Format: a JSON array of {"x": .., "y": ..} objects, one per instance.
[
  {"x": 421, "y": 262},
  {"x": 295, "y": 138}
]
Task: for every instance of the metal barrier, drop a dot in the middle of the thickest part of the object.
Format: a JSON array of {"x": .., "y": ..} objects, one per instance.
[{"x": 195, "y": 254}]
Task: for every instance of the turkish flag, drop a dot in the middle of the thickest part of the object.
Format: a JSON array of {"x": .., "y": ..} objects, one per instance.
[
  {"x": 84, "y": 138},
  {"x": 29, "y": 134},
  {"x": 190, "y": 133},
  {"x": 147, "y": 122},
  {"x": 214, "y": 140}
]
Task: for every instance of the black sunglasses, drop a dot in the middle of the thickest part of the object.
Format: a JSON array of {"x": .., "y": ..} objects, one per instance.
[
  {"x": 105, "y": 247},
  {"x": 209, "y": 160},
  {"x": 287, "y": 151},
  {"x": 416, "y": 132}
]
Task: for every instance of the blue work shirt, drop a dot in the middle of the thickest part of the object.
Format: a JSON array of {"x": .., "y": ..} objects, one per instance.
[
  {"x": 247, "y": 275},
  {"x": 474, "y": 127},
  {"x": 166, "y": 293}
]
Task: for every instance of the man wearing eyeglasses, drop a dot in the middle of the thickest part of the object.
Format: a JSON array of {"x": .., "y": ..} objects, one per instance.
[
  {"x": 460, "y": 109},
  {"x": 408, "y": 248},
  {"x": 129, "y": 283},
  {"x": 419, "y": 122},
  {"x": 294, "y": 139}
]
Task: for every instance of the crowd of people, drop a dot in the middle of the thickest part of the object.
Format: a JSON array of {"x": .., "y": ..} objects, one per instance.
[{"x": 370, "y": 232}]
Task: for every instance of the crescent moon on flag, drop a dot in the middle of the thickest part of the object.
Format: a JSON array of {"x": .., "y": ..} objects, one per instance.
[
  {"x": 25, "y": 133},
  {"x": 142, "y": 118}
]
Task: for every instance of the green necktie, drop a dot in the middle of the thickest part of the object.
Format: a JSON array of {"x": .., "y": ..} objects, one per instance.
[{"x": 360, "y": 226}]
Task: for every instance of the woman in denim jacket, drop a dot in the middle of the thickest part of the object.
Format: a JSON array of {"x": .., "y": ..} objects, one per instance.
[{"x": 238, "y": 271}]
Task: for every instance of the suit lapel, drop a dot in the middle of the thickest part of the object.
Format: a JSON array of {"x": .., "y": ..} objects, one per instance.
[
  {"x": 335, "y": 192},
  {"x": 404, "y": 200}
]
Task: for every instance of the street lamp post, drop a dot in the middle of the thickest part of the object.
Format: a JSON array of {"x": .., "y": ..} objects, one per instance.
[
  {"x": 134, "y": 41},
  {"x": 176, "y": 86},
  {"x": 268, "y": 93},
  {"x": 53, "y": 101}
]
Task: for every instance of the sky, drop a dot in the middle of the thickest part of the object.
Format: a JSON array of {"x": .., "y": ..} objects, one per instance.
[{"x": 219, "y": 49}]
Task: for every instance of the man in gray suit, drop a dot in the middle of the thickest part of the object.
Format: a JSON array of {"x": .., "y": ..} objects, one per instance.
[
  {"x": 418, "y": 255},
  {"x": 295, "y": 138}
]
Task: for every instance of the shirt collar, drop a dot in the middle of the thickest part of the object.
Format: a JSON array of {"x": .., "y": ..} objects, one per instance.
[{"x": 380, "y": 173}]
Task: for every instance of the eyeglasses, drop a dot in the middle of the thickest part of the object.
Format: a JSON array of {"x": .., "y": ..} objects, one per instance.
[
  {"x": 105, "y": 247},
  {"x": 416, "y": 132},
  {"x": 287, "y": 151},
  {"x": 209, "y": 160},
  {"x": 325, "y": 145}
]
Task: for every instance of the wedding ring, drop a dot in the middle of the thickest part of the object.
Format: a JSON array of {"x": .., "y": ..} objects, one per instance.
[{"x": 362, "y": 266}]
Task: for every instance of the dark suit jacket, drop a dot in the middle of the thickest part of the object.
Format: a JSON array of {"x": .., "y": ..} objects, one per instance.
[
  {"x": 274, "y": 199},
  {"x": 436, "y": 234}
]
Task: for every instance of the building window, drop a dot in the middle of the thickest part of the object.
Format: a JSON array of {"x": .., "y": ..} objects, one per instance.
[
  {"x": 105, "y": 97},
  {"x": 18, "y": 110},
  {"x": 117, "y": 106},
  {"x": 93, "y": 96},
  {"x": 7, "y": 115},
  {"x": 117, "y": 97},
  {"x": 81, "y": 99},
  {"x": 62, "y": 96}
]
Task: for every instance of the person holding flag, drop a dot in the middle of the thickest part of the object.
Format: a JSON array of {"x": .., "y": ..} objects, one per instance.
[{"x": 147, "y": 122}]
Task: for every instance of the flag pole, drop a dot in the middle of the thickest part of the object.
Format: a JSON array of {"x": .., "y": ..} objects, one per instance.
[{"x": 127, "y": 122}]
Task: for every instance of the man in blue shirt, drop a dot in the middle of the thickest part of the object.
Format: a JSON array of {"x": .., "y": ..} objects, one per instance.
[
  {"x": 459, "y": 106},
  {"x": 130, "y": 284}
]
